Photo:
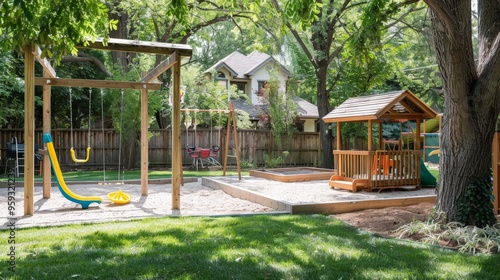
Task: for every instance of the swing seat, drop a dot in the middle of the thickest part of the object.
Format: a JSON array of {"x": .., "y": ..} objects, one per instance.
[
  {"x": 194, "y": 153},
  {"x": 119, "y": 197},
  {"x": 73, "y": 156},
  {"x": 214, "y": 151},
  {"x": 213, "y": 154}
]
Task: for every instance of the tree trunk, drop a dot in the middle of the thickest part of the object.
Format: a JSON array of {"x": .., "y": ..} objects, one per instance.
[
  {"x": 471, "y": 104},
  {"x": 120, "y": 58},
  {"x": 323, "y": 110}
]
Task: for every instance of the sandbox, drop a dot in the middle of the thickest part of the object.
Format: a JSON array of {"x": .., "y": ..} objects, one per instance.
[
  {"x": 293, "y": 174},
  {"x": 314, "y": 196}
]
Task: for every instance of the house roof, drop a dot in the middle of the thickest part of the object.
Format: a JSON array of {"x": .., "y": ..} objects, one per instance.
[
  {"x": 306, "y": 109},
  {"x": 391, "y": 105},
  {"x": 243, "y": 66}
]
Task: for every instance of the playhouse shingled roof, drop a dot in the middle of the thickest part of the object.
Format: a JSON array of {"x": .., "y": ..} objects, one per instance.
[{"x": 394, "y": 105}]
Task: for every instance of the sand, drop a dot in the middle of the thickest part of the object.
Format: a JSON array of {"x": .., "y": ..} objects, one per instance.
[{"x": 195, "y": 200}]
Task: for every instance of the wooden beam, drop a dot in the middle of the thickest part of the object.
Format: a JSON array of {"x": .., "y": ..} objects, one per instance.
[
  {"x": 144, "y": 142},
  {"x": 124, "y": 45},
  {"x": 44, "y": 62},
  {"x": 206, "y": 110},
  {"x": 370, "y": 135},
  {"x": 46, "y": 168},
  {"x": 416, "y": 144},
  {"x": 162, "y": 67},
  {"x": 176, "y": 138},
  {"x": 403, "y": 116},
  {"x": 29, "y": 130},
  {"x": 339, "y": 136},
  {"x": 380, "y": 136},
  {"x": 235, "y": 137},
  {"x": 95, "y": 83}
]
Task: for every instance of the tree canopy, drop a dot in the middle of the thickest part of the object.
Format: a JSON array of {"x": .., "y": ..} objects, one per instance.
[{"x": 56, "y": 26}]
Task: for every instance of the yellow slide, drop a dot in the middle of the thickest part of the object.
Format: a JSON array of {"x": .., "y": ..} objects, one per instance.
[{"x": 67, "y": 193}]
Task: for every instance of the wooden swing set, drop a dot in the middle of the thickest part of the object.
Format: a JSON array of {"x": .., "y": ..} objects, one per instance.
[
  {"x": 231, "y": 129},
  {"x": 31, "y": 53}
]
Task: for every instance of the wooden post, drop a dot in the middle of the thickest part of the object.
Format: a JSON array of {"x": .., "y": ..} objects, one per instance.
[
  {"x": 235, "y": 135},
  {"x": 370, "y": 135},
  {"x": 338, "y": 136},
  {"x": 144, "y": 142},
  {"x": 416, "y": 143},
  {"x": 339, "y": 142},
  {"x": 176, "y": 136},
  {"x": 231, "y": 121},
  {"x": 496, "y": 171},
  {"x": 46, "y": 129},
  {"x": 29, "y": 130},
  {"x": 380, "y": 136}
]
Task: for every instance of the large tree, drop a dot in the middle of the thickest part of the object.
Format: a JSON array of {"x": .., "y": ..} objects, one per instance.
[
  {"x": 471, "y": 87},
  {"x": 331, "y": 27},
  {"x": 471, "y": 90}
]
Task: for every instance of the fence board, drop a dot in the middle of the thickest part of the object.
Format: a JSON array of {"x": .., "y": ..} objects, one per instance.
[{"x": 304, "y": 148}]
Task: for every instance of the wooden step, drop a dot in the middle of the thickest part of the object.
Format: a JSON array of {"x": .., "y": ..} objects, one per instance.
[{"x": 337, "y": 181}]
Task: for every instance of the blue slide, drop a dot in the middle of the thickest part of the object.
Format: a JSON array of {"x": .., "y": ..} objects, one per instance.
[{"x": 67, "y": 193}]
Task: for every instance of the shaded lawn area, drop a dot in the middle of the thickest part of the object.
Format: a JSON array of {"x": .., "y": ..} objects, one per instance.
[{"x": 242, "y": 247}]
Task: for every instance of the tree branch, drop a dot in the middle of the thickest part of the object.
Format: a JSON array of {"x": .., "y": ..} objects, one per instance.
[
  {"x": 296, "y": 36},
  {"x": 83, "y": 57}
]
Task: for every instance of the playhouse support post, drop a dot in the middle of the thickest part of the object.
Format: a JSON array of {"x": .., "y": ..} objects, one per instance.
[
  {"x": 417, "y": 135},
  {"x": 176, "y": 136},
  {"x": 46, "y": 168},
  {"x": 339, "y": 143},
  {"x": 380, "y": 136},
  {"x": 29, "y": 129},
  {"x": 144, "y": 142},
  {"x": 370, "y": 135}
]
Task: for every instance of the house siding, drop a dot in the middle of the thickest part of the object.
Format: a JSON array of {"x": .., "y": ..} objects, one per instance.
[{"x": 263, "y": 75}]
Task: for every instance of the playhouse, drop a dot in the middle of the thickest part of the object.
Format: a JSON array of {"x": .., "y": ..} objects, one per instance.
[{"x": 386, "y": 163}]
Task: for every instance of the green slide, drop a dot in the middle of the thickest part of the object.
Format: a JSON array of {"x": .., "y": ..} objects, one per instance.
[{"x": 426, "y": 178}]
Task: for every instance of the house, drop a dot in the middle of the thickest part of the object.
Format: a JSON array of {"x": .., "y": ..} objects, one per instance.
[{"x": 250, "y": 73}]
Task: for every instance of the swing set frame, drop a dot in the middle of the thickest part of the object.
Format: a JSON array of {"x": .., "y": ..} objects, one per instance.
[
  {"x": 231, "y": 128},
  {"x": 31, "y": 53}
]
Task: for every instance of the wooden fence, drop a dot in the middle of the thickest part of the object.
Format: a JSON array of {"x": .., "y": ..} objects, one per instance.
[{"x": 304, "y": 149}]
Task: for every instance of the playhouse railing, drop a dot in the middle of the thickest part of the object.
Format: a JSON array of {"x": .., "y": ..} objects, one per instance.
[{"x": 382, "y": 168}]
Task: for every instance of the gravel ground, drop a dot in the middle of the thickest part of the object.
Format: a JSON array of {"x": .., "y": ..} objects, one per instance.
[{"x": 195, "y": 200}]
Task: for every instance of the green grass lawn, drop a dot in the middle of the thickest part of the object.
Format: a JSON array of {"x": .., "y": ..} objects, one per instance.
[
  {"x": 243, "y": 247},
  {"x": 112, "y": 175},
  {"x": 435, "y": 173}
]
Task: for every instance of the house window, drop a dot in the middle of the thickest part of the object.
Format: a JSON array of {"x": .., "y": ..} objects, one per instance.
[
  {"x": 221, "y": 75},
  {"x": 240, "y": 86},
  {"x": 261, "y": 88}
]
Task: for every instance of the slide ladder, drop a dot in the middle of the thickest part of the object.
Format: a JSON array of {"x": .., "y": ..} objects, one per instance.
[{"x": 85, "y": 201}]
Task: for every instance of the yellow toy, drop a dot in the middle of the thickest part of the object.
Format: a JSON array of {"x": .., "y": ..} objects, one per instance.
[{"x": 119, "y": 197}]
